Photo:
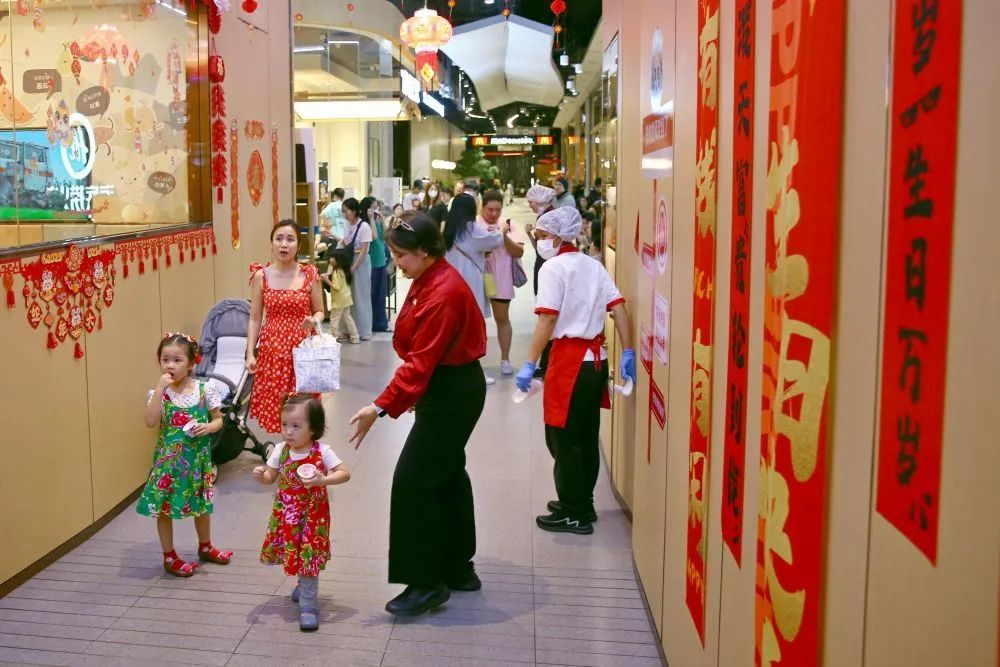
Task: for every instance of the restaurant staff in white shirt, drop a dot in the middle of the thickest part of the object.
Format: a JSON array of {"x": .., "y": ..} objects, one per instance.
[{"x": 575, "y": 293}]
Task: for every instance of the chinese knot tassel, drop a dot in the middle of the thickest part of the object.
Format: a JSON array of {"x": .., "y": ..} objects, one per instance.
[
  {"x": 142, "y": 267},
  {"x": 78, "y": 350},
  {"x": 10, "y": 298},
  {"x": 52, "y": 343},
  {"x": 125, "y": 269}
]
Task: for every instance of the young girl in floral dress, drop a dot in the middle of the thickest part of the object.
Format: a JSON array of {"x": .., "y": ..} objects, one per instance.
[
  {"x": 288, "y": 297},
  {"x": 180, "y": 482},
  {"x": 298, "y": 533}
]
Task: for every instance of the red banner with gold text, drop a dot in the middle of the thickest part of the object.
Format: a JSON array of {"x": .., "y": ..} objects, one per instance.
[
  {"x": 800, "y": 256},
  {"x": 706, "y": 134},
  {"x": 734, "y": 450},
  {"x": 925, "y": 78}
]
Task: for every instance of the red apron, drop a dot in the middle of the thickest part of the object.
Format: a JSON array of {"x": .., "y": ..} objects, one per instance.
[{"x": 565, "y": 359}]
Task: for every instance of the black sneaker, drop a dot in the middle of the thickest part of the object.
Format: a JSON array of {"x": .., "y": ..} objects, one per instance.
[
  {"x": 466, "y": 582},
  {"x": 560, "y": 523},
  {"x": 556, "y": 507},
  {"x": 416, "y": 601}
]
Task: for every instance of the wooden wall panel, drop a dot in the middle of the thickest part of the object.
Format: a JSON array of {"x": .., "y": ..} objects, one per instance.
[
  {"x": 43, "y": 428},
  {"x": 121, "y": 367},
  {"x": 919, "y": 614}
]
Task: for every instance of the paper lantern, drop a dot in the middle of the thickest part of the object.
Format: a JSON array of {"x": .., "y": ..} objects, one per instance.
[{"x": 426, "y": 32}]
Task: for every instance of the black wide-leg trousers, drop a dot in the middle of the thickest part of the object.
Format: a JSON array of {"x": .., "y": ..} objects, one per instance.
[
  {"x": 432, "y": 525},
  {"x": 576, "y": 447}
]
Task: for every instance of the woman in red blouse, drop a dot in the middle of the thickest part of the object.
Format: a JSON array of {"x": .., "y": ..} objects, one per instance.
[{"x": 440, "y": 336}]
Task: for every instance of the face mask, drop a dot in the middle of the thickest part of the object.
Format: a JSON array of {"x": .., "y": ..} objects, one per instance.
[
  {"x": 547, "y": 248},
  {"x": 433, "y": 193}
]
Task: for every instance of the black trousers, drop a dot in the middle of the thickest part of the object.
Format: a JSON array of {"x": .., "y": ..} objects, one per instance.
[
  {"x": 543, "y": 363},
  {"x": 432, "y": 524},
  {"x": 575, "y": 448}
]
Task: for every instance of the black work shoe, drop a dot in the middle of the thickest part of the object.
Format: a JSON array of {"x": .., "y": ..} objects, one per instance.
[
  {"x": 466, "y": 582},
  {"x": 560, "y": 523},
  {"x": 556, "y": 507},
  {"x": 416, "y": 601}
]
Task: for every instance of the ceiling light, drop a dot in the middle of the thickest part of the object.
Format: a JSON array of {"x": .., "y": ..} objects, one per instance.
[
  {"x": 564, "y": 60},
  {"x": 442, "y": 164},
  {"x": 488, "y": 2},
  {"x": 579, "y": 68},
  {"x": 510, "y": 121},
  {"x": 164, "y": 5},
  {"x": 309, "y": 49}
]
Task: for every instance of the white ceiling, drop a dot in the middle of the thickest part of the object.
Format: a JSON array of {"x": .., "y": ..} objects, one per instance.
[{"x": 502, "y": 72}]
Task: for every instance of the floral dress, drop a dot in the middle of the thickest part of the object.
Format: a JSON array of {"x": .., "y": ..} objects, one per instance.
[
  {"x": 298, "y": 533},
  {"x": 180, "y": 482},
  {"x": 284, "y": 310}
]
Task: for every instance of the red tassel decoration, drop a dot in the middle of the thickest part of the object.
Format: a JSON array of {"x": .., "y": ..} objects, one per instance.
[
  {"x": 181, "y": 255},
  {"x": 215, "y": 251},
  {"x": 218, "y": 195},
  {"x": 192, "y": 253},
  {"x": 52, "y": 343},
  {"x": 100, "y": 321},
  {"x": 203, "y": 252},
  {"x": 168, "y": 259},
  {"x": 142, "y": 268},
  {"x": 78, "y": 351},
  {"x": 125, "y": 269},
  {"x": 10, "y": 299}
]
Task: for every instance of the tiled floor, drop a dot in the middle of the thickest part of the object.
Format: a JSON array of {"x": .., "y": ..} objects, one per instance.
[{"x": 547, "y": 599}]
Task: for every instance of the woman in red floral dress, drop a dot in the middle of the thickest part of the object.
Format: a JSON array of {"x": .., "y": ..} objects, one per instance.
[{"x": 291, "y": 296}]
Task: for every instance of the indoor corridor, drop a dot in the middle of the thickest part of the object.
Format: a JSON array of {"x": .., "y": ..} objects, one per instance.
[{"x": 547, "y": 599}]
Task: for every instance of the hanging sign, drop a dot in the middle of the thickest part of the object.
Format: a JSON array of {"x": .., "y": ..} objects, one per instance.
[
  {"x": 734, "y": 443},
  {"x": 800, "y": 299},
  {"x": 702, "y": 336},
  {"x": 925, "y": 81}
]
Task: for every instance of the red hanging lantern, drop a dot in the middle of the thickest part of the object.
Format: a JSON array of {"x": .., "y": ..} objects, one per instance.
[
  {"x": 558, "y": 7},
  {"x": 216, "y": 66},
  {"x": 426, "y": 32}
]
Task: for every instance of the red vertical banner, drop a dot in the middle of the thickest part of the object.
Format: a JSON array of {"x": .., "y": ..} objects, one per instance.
[
  {"x": 706, "y": 135},
  {"x": 734, "y": 451},
  {"x": 803, "y": 200},
  {"x": 925, "y": 76}
]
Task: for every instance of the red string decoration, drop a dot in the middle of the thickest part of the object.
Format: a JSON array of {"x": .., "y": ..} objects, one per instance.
[{"x": 558, "y": 7}]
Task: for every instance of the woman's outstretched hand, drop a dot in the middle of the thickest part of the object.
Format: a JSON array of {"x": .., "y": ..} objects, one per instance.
[{"x": 362, "y": 422}]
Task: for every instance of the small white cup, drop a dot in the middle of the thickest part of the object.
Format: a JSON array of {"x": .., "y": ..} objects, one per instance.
[
  {"x": 189, "y": 429},
  {"x": 306, "y": 471}
]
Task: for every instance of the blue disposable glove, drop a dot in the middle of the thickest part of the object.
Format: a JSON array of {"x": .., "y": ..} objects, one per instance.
[
  {"x": 525, "y": 375},
  {"x": 628, "y": 365}
]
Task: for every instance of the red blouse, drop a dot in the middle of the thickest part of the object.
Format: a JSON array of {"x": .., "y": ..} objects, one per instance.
[{"x": 440, "y": 324}]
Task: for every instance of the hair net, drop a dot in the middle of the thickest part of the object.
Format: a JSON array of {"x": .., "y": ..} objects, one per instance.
[
  {"x": 563, "y": 222},
  {"x": 539, "y": 194}
]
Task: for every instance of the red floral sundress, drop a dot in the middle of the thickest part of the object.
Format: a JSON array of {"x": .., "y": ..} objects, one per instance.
[
  {"x": 284, "y": 310},
  {"x": 298, "y": 533}
]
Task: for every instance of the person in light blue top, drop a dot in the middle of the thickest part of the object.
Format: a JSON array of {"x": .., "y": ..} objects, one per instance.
[
  {"x": 334, "y": 213},
  {"x": 467, "y": 244}
]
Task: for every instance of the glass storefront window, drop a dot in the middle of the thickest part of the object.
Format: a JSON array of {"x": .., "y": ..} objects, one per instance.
[{"x": 99, "y": 125}]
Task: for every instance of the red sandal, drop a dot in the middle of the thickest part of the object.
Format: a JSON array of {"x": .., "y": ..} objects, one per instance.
[
  {"x": 208, "y": 553},
  {"x": 173, "y": 564}
]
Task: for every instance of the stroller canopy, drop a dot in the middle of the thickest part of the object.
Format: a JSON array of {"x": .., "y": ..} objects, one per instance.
[{"x": 229, "y": 317}]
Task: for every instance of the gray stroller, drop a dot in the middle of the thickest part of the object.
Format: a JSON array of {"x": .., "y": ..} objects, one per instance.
[{"x": 223, "y": 351}]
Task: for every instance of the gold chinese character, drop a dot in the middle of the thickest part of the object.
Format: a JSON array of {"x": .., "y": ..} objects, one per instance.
[
  {"x": 802, "y": 382},
  {"x": 701, "y": 384},
  {"x": 704, "y": 198},
  {"x": 708, "y": 51},
  {"x": 787, "y": 606}
]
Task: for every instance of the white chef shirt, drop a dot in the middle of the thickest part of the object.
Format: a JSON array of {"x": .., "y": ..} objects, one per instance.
[{"x": 580, "y": 291}]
